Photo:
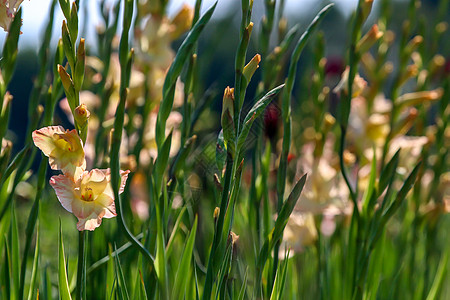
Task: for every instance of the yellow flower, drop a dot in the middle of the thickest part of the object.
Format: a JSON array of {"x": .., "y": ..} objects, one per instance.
[
  {"x": 90, "y": 198},
  {"x": 63, "y": 148}
]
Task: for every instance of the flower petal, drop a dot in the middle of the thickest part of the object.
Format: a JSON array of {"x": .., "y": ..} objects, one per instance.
[
  {"x": 43, "y": 138},
  {"x": 90, "y": 223},
  {"x": 65, "y": 190}
]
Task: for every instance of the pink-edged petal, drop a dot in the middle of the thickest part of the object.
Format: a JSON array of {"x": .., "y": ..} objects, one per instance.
[
  {"x": 110, "y": 211},
  {"x": 43, "y": 138},
  {"x": 124, "y": 177},
  {"x": 90, "y": 223},
  {"x": 65, "y": 190}
]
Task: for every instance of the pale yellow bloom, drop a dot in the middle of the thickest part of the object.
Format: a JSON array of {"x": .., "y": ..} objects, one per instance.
[
  {"x": 63, "y": 148},
  {"x": 90, "y": 198}
]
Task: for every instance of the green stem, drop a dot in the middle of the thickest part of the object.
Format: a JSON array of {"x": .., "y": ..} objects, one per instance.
[{"x": 81, "y": 264}]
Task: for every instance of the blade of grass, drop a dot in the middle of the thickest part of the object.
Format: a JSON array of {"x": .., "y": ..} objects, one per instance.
[
  {"x": 174, "y": 71},
  {"x": 15, "y": 253},
  {"x": 183, "y": 269},
  {"x": 439, "y": 278},
  {"x": 33, "y": 280},
  {"x": 64, "y": 291},
  {"x": 121, "y": 291}
]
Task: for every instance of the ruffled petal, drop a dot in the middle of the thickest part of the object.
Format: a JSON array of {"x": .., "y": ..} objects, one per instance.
[
  {"x": 106, "y": 203},
  {"x": 43, "y": 138},
  {"x": 90, "y": 223},
  {"x": 65, "y": 190}
]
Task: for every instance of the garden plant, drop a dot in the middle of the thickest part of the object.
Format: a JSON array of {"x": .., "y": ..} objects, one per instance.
[{"x": 154, "y": 167}]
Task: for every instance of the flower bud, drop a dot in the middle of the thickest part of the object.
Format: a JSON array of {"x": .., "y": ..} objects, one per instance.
[
  {"x": 216, "y": 214},
  {"x": 411, "y": 99},
  {"x": 81, "y": 115},
  {"x": 68, "y": 86},
  {"x": 366, "y": 8},
  {"x": 411, "y": 71},
  {"x": 413, "y": 44},
  {"x": 369, "y": 39},
  {"x": 78, "y": 75},
  {"x": 228, "y": 102},
  {"x": 436, "y": 64},
  {"x": 227, "y": 119},
  {"x": 251, "y": 67}
]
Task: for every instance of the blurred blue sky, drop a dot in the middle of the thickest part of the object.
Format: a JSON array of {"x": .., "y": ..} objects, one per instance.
[{"x": 35, "y": 14}]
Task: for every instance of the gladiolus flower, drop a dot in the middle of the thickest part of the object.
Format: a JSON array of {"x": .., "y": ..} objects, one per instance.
[
  {"x": 90, "y": 198},
  {"x": 63, "y": 148}
]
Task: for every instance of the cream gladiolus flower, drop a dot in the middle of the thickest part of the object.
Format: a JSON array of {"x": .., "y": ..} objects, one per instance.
[
  {"x": 90, "y": 198},
  {"x": 63, "y": 148}
]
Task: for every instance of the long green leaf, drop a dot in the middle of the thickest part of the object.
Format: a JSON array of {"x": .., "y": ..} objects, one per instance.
[
  {"x": 183, "y": 54},
  {"x": 15, "y": 248},
  {"x": 121, "y": 291},
  {"x": 183, "y": 269},
  {"x": 33, "y": 281},
  {"x": 254, "y": 113},
  {"x": 439, "y": 278},
  {"x": 64, "y": 291},
  {"x": 110, "y": 274}
]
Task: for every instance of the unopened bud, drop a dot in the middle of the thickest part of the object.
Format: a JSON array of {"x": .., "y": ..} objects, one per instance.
[
  {"x": 416, "y": 98},
  {"x": 387, "y": 68},
  {"x": 369, "y": 39},
  {"x": 228, "y": 102},
  {"x": 422, "y": 78},
  {"x": 81, "y": 115},
  {"x": 68, "y": 86},
  {"x": 437, "y": 63},
  {"x": 216, "y": 214},
  {"x": 405, "y": 123},
  {"x": 329, "y": 122},
  {"x": 251, "y": 67},
  {"x": 282, "y": 27},
  {"x": 411, "y": 71},
  {"x": 78, "y": 75},
  {"x": 413, "y": 44},
  {"x": 227, "y": 119},
  {"x": 366, "y": 7}
]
